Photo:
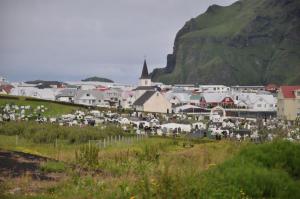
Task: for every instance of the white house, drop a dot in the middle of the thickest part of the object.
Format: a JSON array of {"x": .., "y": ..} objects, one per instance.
[
  {"x": 128, "y": 99},
  {"x": 66, "y": 95},
  {"x": 214, "y": 88},
  {"x": 178, "y": 97},
  {"x": 46, "y": 93},
  {"x": 255, "y": 101},
  {"x": 90, "y": 98}
]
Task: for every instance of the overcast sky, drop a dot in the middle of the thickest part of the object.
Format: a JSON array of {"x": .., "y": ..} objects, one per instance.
[{"x": 74, "y": 39}]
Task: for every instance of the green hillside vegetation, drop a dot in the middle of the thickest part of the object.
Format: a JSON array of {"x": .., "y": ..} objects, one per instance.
[
  {"x": 249, "y": 42},
  {"x": 54, "y": 109},
  {"x": 97, "y": 79},
  {"x": 48, "y": 133},
  {"x": 163, "y": 168}
]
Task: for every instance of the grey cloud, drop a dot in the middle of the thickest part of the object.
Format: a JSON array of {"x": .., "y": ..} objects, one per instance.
[{"x": 72, "y": 39}]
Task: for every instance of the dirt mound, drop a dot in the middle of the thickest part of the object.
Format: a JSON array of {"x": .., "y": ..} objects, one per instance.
[{"x": 15, "y": 164}]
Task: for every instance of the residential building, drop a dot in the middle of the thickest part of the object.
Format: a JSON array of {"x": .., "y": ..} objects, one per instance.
[
  {"x": 247, "y": 88},
  {"x": 5, "y": 89},
  {"x": 66, "y": 95},
  {"x": 255, "y": 101},
  {"x": 46, "y": 93},
  {"x": 288, "y": 105},
  {"x": 91, "y": 98},
  {"x": 213, "y": 88},
  {"x": 178, "y": 97},
  {"x": 152, "y": 101},
  {"x": 212, "y": 99}
]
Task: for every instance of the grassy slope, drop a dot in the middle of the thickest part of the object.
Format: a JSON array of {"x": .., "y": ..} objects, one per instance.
[
  {"x": 126, "y": 167},
  {"x": 53, "y": 108},
  {"x": 205, "y": 55},
  {"x": 208, "y": 170}
]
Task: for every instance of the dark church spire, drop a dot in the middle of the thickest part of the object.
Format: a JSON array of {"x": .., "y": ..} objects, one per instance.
[{"x": 145, "y": 74}]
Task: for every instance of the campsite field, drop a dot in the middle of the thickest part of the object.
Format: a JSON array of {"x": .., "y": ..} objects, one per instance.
[
  {"x": 150, "y": 168},
  {"x": 54, "y": 109},
  {"x": 52, "y": 161}
]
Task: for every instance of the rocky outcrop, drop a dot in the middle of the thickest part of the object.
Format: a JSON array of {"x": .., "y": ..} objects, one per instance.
[{"x": 250, "y": 42}]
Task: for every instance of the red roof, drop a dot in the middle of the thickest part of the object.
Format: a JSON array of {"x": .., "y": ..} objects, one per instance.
[
  {"x": 7, "y": 88},
  {"x": 271, "y": 87},
  {"x": 289, "y": 91}
]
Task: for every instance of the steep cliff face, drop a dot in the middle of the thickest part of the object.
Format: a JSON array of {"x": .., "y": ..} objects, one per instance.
[{"x": 250, "y": 42}]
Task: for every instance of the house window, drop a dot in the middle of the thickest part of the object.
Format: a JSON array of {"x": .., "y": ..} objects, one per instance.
[
  {"x": 87, "y": 94},
  {"x": 258, "y": 105},
  {"x": 157, "y": 94},
  {"x": 146, "y": 82},
  {"x": 298, "y": 93}
]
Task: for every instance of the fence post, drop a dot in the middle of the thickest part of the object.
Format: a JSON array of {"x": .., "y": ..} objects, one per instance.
[
  {"x": 55, "y": 142},
  {"x": 104, "y": 143}
]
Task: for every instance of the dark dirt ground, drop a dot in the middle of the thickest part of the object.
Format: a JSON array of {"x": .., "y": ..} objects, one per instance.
[
  {"x": 15, "y": 164},
  {"x": 21, "y": 172}
]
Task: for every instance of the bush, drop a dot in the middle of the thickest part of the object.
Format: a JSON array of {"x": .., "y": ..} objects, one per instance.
[
  {"x": 264, "y": 171},
  {"x": 87, "y": 156},
  {"x": 259, "y": 171},
  {"x": 53, "y": 166}
]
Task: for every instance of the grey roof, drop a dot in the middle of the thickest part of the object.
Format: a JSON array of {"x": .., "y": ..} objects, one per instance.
[
  {"x": 97, "y": 94},
  {"x": 67, "y": 93},
  {"x": 148, "y": 88},
  {"x": 141, "y": 100},
  {"x": 145, "y": 74}
]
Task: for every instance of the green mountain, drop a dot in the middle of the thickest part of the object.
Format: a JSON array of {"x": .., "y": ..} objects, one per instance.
[
  {"x": 97, "y": 79},
  {"x": 250, "y": 42}
]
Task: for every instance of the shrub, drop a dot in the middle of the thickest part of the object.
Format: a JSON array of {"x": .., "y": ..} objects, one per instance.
[
  {"x": 87, "y": 156},
  {"x": 53, "y": 166},
  {"x": 47, "y": 133},
  {"x": 263, "y": 171}
]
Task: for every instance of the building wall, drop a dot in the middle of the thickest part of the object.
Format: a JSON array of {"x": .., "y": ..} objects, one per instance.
[
  {"x": 64, "y": 99},
  {"x": 288, "y": 108},
  {"x": 139, "y": 108},
  {"x": 145, "y": 82},
  {"x": 158, "y": 104}
]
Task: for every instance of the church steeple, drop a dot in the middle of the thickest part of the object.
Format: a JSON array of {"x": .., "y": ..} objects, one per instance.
[{"x": 145, "y": 74}]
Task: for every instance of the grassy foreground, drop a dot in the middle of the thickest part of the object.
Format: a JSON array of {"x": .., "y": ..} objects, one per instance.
[{"x": 163, "y": 168}]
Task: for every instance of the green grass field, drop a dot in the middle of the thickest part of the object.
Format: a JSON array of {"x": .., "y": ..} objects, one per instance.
[
  {"x": 164, "y": 168},
  {"x": 54, "y": 109}
]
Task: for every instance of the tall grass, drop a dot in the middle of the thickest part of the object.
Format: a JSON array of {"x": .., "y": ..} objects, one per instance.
[{"x": 48, "y": 133}]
